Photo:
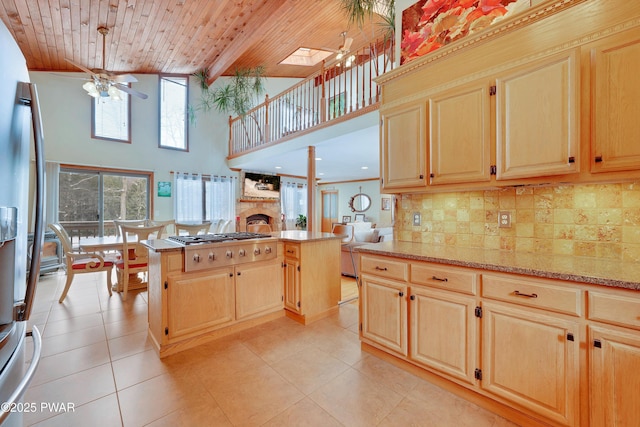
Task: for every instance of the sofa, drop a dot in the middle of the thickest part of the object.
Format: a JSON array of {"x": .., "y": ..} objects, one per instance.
[{"x": 364, "y": 233}]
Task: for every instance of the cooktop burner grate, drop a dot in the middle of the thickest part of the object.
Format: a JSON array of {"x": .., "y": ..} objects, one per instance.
[{"x": 214, "y": 238}]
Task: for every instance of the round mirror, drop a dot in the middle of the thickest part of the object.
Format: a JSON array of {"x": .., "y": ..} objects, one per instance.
[{"x": 360, "y": 202}]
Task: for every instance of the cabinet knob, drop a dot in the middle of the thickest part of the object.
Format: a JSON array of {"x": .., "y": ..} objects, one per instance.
[
  {"x": 412, "y": 297},
  {"x": 401, "y": 293}
]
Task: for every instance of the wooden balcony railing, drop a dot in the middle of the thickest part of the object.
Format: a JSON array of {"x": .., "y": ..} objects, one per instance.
[{"x": 339, "y": 91}]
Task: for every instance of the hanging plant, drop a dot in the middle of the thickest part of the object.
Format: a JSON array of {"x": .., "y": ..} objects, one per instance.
[{"x": 358, "y": 11}]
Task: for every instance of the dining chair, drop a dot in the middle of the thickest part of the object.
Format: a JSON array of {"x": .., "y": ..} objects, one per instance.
[
  {"x": 192, "y": 229},
  {"x": 135, "y": 257},
  {"x": 344, "y": 230},
  {"x": 169, "y": 227},
  {"x": 77, "y": 262},
  {"x": 259, "y": 228},
  {"x": 129, "y": 222}
]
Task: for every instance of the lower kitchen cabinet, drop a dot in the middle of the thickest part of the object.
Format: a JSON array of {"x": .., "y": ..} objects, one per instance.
[
  {"x": 200, "y": 301},
  {"x": 443, "y": 332},
  {"x": 614, "y": 376},
  {"x": 312, "y": 284},
  {"x": 384, "y": 313},
  {"x": 531, "y": 359},
  {"x": 258, "y": 289}
]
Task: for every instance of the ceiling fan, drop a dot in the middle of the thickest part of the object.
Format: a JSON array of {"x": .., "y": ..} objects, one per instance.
[
  {"x": 104, "y": 83},
  {"x": 346, "y": 45}
]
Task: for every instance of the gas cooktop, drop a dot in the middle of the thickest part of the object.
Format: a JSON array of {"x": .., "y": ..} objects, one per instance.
[{"x": 214, "y": 238}]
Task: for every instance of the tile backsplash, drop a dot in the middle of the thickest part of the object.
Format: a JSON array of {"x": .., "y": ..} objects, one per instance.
[{"x": 596, "y": 220}]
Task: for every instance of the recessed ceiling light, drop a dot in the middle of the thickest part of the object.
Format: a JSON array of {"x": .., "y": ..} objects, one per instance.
[
  {"x": 321, "y": 173},
  {"x": 318, "y": 158},
  {"x": 278, "y": 167},
  {"x": 364, "y": 167}
]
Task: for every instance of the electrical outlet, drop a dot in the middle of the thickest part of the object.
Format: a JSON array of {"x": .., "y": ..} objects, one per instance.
[
  {"x": 504, "y": 219},
  {"x": 416, "y": 219}
]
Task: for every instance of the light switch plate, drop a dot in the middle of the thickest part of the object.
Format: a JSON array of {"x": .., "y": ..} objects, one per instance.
[
  {"x": 416, "y": 219},
  {"x": 504, "y": 219}
]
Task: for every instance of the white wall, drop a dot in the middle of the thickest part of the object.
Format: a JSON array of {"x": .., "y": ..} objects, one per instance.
[
  {"x": 66, "y": 111},
  {"x": 347, "y": 190}
]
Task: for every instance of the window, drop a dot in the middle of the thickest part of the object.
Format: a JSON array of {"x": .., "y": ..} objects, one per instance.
[
  {"x": 293, "y": 202},
  {"x": 111, "y": 118},
  {"x": 90, "y": 199},
  {"x": 173, "y": 112},
  {"x": 201, "y": 198}
]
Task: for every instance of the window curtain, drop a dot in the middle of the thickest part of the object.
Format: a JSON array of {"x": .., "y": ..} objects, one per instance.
[
  {"x": 221, "y": 199},
  {"x": 52, "y": 192},
  {"x": 293, "y": 202},
  {"x": 188, "y": 200}
]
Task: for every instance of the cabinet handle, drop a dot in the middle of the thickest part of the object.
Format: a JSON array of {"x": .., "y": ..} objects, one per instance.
[
  {"x": 289, "y": 251},
  {"x": 412, "y": 297},
  {"x": 520, "y": 294},
  {"x": 381, "y": 268},
  {"x": 401, "y": 293},
  {"x": 442, "y": 280}
]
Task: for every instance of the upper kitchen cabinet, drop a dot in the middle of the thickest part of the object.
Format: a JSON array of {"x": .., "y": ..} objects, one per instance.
[
  {"x": 460, "y": 134},
  {"x": 615, "y": 91},
  {"x": 537, "y": 118},
  {"x": 404, "y": 159}
]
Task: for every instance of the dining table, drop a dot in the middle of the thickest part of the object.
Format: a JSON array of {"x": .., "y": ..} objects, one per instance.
[{"x": 114, "y": 243}]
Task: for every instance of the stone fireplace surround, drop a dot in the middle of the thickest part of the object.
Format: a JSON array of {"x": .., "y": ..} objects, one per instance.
[{"x": 248, "y": 207}]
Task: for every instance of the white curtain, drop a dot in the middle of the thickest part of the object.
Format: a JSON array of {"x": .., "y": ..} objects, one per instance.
[
  {"x": 293, "y": 202},
  {"x": 221, "y": 198},
  {"x": 188, "y": 200},
  {"x": 52, "y": 192}
]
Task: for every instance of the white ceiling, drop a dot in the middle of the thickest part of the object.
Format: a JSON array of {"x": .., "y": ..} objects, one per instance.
[{"x": 344, "y": 149}]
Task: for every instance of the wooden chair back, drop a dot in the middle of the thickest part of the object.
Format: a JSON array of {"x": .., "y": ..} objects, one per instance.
[
  {"x": 193, "y": 229},
  {"x": 346, "y": 231}
]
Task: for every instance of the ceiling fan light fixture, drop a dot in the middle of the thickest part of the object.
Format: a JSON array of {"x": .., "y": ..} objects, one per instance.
[
  {"x": 114, "y": 93},
  {"x": 91, "y": 89}
]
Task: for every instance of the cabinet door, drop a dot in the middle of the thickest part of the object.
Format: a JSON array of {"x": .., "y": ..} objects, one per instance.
[
  {"x": 444, "y": 332},
  {"x": 531, "y": 359},
  {"x": 384, "y": 313},
  {"x": 614, "y": 377},
  {"x": 292, "y": 285},
  {"x": 460, "y": 135},
  {"x": 258, "y": 289},
  {"x": 203, "y": 300},
  {"x": 537, "y": 113},
  {"x": 615, "y": 89},
  {"x": 404, "y": 144}
]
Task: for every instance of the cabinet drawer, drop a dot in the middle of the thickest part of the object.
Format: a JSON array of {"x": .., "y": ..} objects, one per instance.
[
  {"x": 623, "y": 310},
  {"x": 384, "y": 267},
  {"x": 532, "y": 293},
  {"x": 292, "y": 251},
  {"x": 442, "y": 277}
]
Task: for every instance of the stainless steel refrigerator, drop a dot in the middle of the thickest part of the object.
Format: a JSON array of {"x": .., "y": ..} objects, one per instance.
[{"x": 19, "y": 114}]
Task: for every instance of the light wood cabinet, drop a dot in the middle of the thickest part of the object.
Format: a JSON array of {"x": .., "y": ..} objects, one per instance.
[
  {"x": 615, "y": 89},
  {"x": 614, "y": 376},
  {"x": 460, "y": 135},
  {"x": 444, "y": 332},
  {"x": 311, "y": 279},
  {"x": 258, "y": 289},
  {"x": 199, "y": 301},
  {"x": 531, "y": 359},
  {"x": 384, "y": 313},
  {"x": 403, "y": 146},
  {"x": 537, "y": 120}
]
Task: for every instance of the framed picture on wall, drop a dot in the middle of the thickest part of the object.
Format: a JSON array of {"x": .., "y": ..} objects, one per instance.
[
  {"x": 164, "y": 189},
  {"x": 359, "y": 217},
  {"x": 386, "y": 204},
  {"x": 346, "y": 218}
]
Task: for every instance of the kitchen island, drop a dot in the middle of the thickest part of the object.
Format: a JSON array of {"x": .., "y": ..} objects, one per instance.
[
  {"x": 201, "y": 292},
  {"x": 538, "y": 339}
]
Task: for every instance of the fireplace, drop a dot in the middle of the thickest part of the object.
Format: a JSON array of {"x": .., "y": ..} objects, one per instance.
[{"x": 258, "y": 212}]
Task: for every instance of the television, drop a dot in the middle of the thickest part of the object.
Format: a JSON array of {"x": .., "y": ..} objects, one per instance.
[{"x": 261, "y": 185}]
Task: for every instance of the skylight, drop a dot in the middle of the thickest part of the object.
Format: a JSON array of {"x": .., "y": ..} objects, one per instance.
[{"x": 306, "y": 57}]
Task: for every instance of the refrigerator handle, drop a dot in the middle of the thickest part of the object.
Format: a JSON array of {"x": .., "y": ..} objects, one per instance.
[
  {"x": 30, "y": 98},
  {"x": 28, "y": 376}
]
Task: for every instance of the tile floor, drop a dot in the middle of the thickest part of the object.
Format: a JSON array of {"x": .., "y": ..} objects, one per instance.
[{"x": 96, "y": 356}]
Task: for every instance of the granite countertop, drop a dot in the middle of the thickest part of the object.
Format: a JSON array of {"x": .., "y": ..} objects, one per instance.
[
  {"x": 304, "y": 236},
  {"x": 597, "y": 271},
  {"x": 162, "y": 245}
]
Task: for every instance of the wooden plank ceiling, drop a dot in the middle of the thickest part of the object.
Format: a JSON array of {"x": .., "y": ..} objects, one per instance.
[{"x": 177, "y": 36}]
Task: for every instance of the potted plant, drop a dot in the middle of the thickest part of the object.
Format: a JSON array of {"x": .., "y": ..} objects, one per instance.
[{"x": 301, "y": 222}]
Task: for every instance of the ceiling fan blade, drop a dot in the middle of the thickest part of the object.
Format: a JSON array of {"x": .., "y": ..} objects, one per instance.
[
  {"x": 82, "y": 67},
  {"x": 130, "y": 91},
  {"x": 347, "y": 44},
  {"x": 123, "y": 78},
  {"x": 70, "y": 77}
]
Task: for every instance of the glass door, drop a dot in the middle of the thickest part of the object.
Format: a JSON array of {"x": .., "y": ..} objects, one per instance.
[{"x": 329, "y": 209}]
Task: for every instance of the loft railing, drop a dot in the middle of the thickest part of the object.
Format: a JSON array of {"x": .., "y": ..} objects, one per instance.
[{"x": 340, "y": 90}]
